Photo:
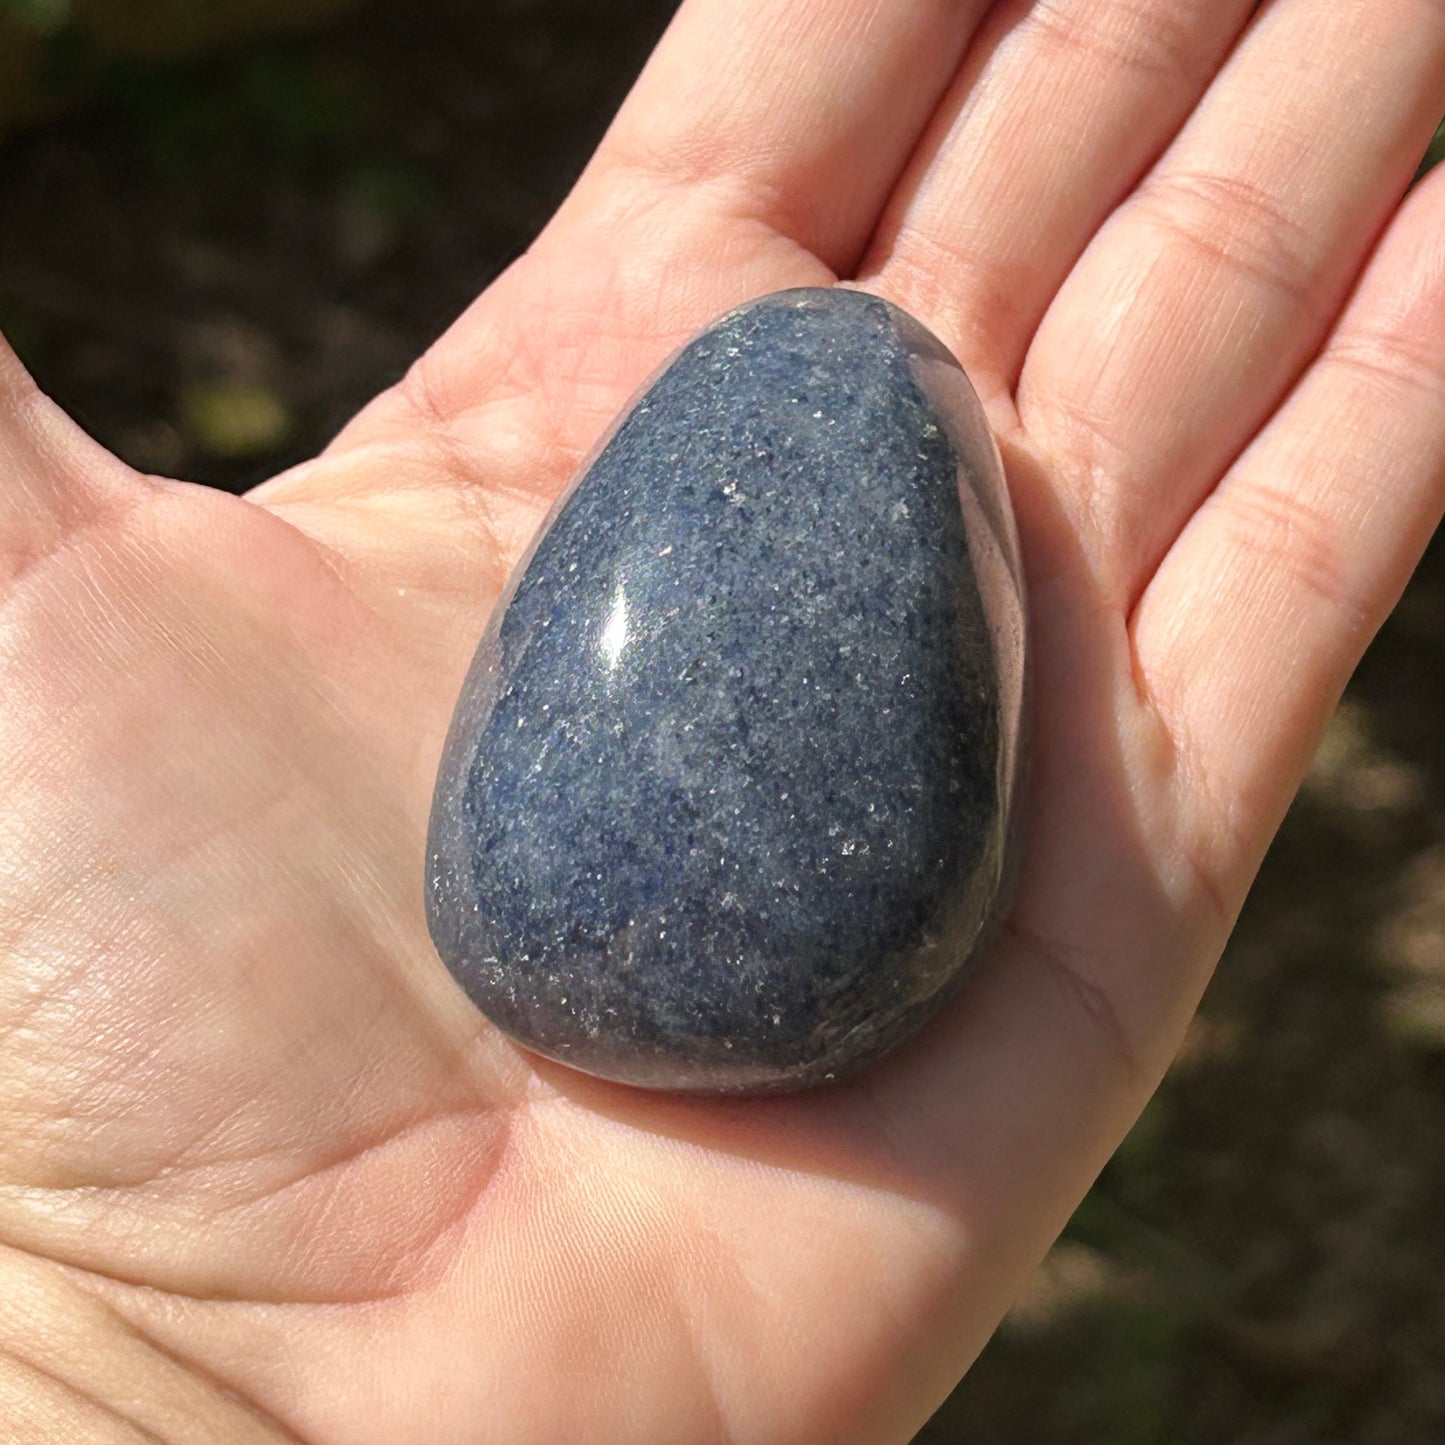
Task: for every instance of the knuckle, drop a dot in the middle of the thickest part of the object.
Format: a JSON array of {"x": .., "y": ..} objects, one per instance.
[
  {"x": 1141, "y": 38},
  {"x": 1393, "y": 361},
  {"x": 1234, "y": 223},
  {"x": 1295, "y": 540}
]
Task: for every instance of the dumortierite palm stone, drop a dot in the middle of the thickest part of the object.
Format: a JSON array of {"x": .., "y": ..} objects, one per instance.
[{"x": 726, "y": 802}]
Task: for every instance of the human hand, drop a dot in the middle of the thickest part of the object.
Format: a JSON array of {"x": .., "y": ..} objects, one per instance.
[{"x": 264, "y": 1173}]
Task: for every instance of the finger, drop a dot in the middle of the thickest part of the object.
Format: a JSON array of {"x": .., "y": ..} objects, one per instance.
[
  {"x": 53, "y": 479},
  {"x": 1060, "y": 107},
  {"x": 1248, "y": 632},
  {"x": 797, "y": 116},
  {"x": 1198, "y": 304}
]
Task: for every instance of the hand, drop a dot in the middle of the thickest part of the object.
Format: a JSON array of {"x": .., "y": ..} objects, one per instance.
[{"x": 264, "y": 1173}]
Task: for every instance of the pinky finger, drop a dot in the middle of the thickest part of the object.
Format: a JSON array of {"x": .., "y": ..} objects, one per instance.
[{"x": 1250, "y": 629}]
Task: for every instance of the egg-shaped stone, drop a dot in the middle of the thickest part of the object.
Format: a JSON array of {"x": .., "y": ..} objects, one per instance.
[{"x": 727, "y": 801}]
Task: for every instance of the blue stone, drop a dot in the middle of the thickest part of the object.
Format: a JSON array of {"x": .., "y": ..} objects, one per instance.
[{"x": 726, "y": 804}]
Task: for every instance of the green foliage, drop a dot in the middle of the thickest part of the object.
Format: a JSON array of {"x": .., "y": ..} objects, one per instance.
[
  {"x": 42, "y": 16},
  {"x": 1139, "y": 1339},
  {"x": 235, "y": 419},
  {"x": 276, "y": 104},
  {"x": 1436, "y": 153},
  {"x": 1134, "y": 1366}
]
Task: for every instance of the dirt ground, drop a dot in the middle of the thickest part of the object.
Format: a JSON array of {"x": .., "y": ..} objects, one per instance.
[{"x": 216, "y": 265}]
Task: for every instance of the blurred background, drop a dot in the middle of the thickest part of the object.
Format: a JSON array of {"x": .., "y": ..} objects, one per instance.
[{"x": 224, "y": 224}]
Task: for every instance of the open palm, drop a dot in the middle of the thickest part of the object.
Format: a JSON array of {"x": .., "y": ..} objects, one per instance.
[{"x": 264, "y": 1173}]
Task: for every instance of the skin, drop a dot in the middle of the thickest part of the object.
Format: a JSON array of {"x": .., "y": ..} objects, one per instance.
[{"x": 265, "y": 1174}]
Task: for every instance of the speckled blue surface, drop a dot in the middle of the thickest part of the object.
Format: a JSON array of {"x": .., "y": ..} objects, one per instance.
[{"x": 725, "y": 804}]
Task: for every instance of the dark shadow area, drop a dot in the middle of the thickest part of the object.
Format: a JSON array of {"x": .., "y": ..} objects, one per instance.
[{"x": 216, "y": 265}]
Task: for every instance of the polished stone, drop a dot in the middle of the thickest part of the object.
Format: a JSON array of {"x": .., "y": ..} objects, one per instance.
[{"x": 726, "y": 804}]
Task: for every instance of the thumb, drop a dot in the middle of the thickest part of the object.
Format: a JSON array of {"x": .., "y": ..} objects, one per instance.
[{"x": 54, "y": 480}]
